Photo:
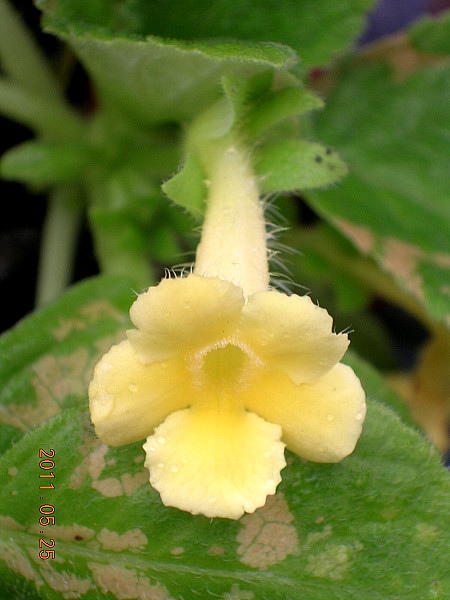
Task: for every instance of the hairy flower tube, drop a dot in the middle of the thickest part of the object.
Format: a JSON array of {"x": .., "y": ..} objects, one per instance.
[{"x": 221, "y": 372}]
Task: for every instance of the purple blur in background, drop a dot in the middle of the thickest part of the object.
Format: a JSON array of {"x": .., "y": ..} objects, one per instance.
[{"x": 390, "y": 16}]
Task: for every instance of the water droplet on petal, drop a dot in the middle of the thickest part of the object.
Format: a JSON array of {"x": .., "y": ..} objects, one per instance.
[
  {"x": 358, "y": 416},
  {"x": 174, "y": 469},
  {"x": 160, "y": 465},
  {"x": 161, "y": 440}
]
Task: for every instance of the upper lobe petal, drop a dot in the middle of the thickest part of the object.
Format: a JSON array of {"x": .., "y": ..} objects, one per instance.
[
  {"x": 181, "y": 315},
  {"x": 292, "y": 334}
]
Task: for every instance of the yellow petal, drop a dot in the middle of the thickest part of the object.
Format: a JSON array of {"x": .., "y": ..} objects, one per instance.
[
  {"x": 293, "y": 334},
  {"x": 182, "y": 315},
  {"x": 127, "y": 399},
  {"x": 321, "y": 421},
  {"x": 215, "y": 463}
]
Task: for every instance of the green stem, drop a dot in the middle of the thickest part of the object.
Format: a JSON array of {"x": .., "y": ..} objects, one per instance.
[
  {"x": 58, "y": 244},
  {"x": 51, "y": 118},
  {"x": 21, "y": 58}
]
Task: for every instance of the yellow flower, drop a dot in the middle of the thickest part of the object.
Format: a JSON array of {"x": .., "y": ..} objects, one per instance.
[
  {"x": 220, "y": 372},
  {"x": 220, "y": 382}
]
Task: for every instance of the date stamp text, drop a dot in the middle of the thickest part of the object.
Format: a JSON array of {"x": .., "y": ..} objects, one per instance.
[{"x": 46, "y": 477}]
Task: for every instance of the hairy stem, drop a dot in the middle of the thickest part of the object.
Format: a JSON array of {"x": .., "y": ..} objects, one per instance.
[{"x": 233, "y": 243}]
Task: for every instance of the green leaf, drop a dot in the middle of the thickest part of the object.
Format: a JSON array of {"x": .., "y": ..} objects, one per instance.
[
  {"x": 242, "y": 92},
  {"x": 120, "y": 245},
  {"x": 152, "y": 79},
  {"x": 249, "y": 107},
  {"x": 213, "y": 123},
  {"x": 373, "y": 526},
  {"x": 130, "y": 194},
  {"x": 432, "y": 35},
  {"x": 280, "y": 105},
  {"x": 394, "y": 203},
  {"x": 46, "y": 116},
  {"x": 316, "y": 30},
  {"x": 297, "y": 165},
  {"x": 340, "y": 279},
  {"x": 44, "y": 163},
  {"x": 187, "y": 187},
  {"x": 375, "y": 387},
  {"x": 131, "y": 51},
  {"x": 47, "y": 359},
  {"x": 166, "y": 80},
  {"x": 123, "y": 205}
]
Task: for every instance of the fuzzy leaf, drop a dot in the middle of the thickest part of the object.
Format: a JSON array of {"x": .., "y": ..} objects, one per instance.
[
  {"x": 394, "y": 203},
  {"x": 317, "y": 30},
  {"x": 160, "y": 62},
  {"x": 373, "y": 526},
  {"x": 47, "y": 359},
  {"x": 375, "y": 387},
  {"x": 242, "y": 92},
  {"x": 187, "y": 187},
  {"x": 280, "y": 105},
  {"x": 297, "y": 165},
  {"x": 152, "y": 79},
  {"x": 336, "y": 276}
]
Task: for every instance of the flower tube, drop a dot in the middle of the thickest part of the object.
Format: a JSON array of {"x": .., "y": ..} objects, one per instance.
[{"x": 221, "y": 372}]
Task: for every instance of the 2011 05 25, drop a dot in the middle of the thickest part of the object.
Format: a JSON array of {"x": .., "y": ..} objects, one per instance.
[{"x": 46, "y": 477}]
